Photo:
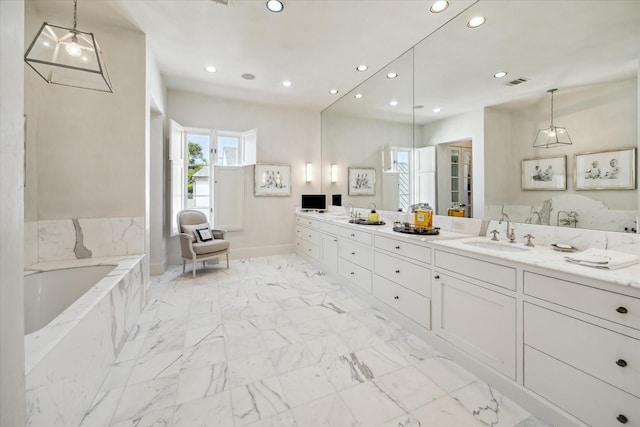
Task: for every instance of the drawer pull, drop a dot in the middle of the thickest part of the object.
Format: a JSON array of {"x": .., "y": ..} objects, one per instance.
[
  {"x": 621, "y": 362},
  {"x": 352, "y": 273},
  {"x": 437, "y": 276},
  {"x": 621, "y": 310},
  {"x": 397, "y": 271},
  {"x": 396, "y": 297},
  {"x": 397, "y": 247},
  {"x": 352, "y": 235},
  {"x": 335, "y": 240},
  {"x": 622, "y": 419},
  {"x": 353, "y": 253}
]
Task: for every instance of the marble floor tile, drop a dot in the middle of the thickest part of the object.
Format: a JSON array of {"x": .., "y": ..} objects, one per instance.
[
  {"x": 370, "y": 405},
  {"x": 272, "y": 342},
  {"x": 257, "y": 401},
  {"x": 211, "y": 411},
  {"x": 306, "y": 384}
]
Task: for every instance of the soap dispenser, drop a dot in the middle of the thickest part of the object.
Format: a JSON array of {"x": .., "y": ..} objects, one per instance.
[{"x": 373, "y": 215}]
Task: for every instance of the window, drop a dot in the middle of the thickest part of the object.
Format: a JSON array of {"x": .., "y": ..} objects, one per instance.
[{"x": 207, "y": 173}]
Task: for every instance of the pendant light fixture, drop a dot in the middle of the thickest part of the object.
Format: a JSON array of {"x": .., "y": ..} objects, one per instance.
[
  {"x": 68, "y": 57},
  {"x": 552, "y": 136}
]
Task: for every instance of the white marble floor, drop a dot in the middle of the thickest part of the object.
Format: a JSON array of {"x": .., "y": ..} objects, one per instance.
[{"x": 272, "y": 342}]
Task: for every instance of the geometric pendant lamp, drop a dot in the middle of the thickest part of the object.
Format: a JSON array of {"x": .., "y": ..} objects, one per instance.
[
  {"x": 68, "y": 57},
  {"x": 553, "y": 136}
]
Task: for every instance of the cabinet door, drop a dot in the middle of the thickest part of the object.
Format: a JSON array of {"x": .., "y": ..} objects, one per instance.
[
  {"x": 330, "y": 252},
  {"x": 476, "y": 320}
]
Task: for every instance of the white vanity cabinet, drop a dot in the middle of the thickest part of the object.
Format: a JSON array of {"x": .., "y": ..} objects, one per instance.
[
  {"x": 590, "y": 339},
  {"x": 329, "y": 239},
  {"x": 355, "y": 256},
  {"x": 473, "y": 311},
  {"x": 402, "y": 278},
  {"x": 308, "y": 240}
]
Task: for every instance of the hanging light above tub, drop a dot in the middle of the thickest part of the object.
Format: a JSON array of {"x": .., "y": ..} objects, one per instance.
[
  {"x": 68, "y": 57},
  {"x": 553, "y": 136}
]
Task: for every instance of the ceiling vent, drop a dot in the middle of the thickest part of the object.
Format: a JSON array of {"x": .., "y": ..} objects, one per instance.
[
  {"x": 222, "y": 2},
  {"x": 516, "y": 82}
]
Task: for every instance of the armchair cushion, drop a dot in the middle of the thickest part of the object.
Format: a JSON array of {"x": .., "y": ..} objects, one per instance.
[
  {"x": 204, "y": 234},
  {"x": 191, "y": 230},
  {"x": 210, "y": 247}
]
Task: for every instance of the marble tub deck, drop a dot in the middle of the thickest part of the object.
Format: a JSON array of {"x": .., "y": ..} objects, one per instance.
[{"x": 272, "y": 342}]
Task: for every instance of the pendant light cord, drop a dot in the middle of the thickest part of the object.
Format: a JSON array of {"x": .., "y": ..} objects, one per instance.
[
  {"x": 551, "y": 107},
  {"x": 75, "y": 14}
]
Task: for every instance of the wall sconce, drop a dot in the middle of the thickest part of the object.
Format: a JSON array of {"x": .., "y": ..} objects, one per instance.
[
  {"x": 334, "y": 173},
  {"x": 308, "y": 172}
]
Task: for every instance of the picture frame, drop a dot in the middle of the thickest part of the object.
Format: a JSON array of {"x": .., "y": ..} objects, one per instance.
[
  {"x": 272, "y": 179},
  {"x": 544, "y": 173},
  {"x": 606, "y": 170},
  {"x": 362, "y": 181}
]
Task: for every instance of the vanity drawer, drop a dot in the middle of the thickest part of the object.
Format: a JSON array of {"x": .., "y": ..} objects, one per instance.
[
  {"x": 607, "y": 305},
  {"x": 329, "y": 228},
  {"x": 414, "y": 306},
  {"x": 357, "y": 253},
  {"x": 355, "y": 274},
  {"x": 607, "y": 355},
  {"x": 411, "y": 276},
  {"x": 409, "y": 250},
  {"x": 585, "y": 397},
  {"x": 489, "y": 272},
  {"x": 310, "y": 250},
  {"x": 309, "y": 222},
  {"x": 308, "y": 234},
  {"x": 357, "y": 235}
]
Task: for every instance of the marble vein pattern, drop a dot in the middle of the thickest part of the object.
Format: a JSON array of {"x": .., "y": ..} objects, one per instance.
[{"x": 273, "y": 342}]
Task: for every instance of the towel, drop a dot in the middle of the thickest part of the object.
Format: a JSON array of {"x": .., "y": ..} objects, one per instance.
[{"x": 603, "y": 258}]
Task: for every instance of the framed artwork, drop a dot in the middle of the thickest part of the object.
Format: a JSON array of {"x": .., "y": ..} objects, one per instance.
[
  {"x": 272, "y": 180},
  {"x": 544, "y": 173},
  {"x": 362, "y": 181},
  {"x": 606, "y": 170}
]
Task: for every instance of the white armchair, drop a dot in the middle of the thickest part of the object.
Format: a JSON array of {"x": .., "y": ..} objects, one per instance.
[{"x": 198, "y": 241}]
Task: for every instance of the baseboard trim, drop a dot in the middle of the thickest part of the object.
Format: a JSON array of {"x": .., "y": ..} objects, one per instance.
[{"x": 240, "y": 253}]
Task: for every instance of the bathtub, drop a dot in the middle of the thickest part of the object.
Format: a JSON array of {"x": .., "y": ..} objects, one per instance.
[{"x": 78, "y": 315}]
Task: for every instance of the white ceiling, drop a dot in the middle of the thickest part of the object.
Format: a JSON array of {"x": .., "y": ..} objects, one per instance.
[{"x": 316, "y": 44}]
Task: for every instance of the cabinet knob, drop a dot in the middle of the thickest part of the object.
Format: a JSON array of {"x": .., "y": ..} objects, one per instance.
[
  {"x": 622, "y": 419},
  {"x": 397, "y": 247},
  {"x": 353, "y": 253},
  {"x": 396, "y": 297},
  {"x": 335, "y": 240},
  {"x": 621, "y": 310},
  {"x": 621, "y": 362},
  {"x": 437, "y": 276},
  {"x": 398, "y": 271},
  {"x": 353, "y": 235},
  {"x": 353, "y": 273}
]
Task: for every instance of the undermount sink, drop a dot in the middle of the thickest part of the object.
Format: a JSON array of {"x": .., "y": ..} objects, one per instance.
[{"x": 497, "y": 246}]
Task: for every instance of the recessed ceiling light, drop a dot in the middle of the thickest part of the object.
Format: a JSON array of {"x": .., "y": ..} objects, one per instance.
[
  {"x": 476, "y": 21},
  {"x": 275, "y": 6},
  {"x": 286, "y": 83},
  {"x": 436, "y": 110},
  {"x": 500, "y": 74},
  {"x": 439, "y": 6},
  {"x": 392, "y": 75},
  {"x": 333, "y": 91},
  {"x": 358, "y": 96},
  {"x": 393, "y": 103},
  {"x": 248, "y": 76},
  {"x": 210, "y": 69},
  {"x": 362, "y": 67}
]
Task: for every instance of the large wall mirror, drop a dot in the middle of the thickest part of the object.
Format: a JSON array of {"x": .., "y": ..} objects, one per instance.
[{"x": 446, "y": 131}]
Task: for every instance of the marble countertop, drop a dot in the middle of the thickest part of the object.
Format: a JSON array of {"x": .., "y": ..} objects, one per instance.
[
  {"x": 546, "y": 257},
  {"x": 543, "y": 256}
]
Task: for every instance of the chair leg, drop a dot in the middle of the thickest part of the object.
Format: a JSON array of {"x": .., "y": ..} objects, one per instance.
[
  {"x": 194, "y": 268},
  {"x": 184, "y": 265},
  {"x": 204, "y": 264},
  {"x": 227, "y": 260}
]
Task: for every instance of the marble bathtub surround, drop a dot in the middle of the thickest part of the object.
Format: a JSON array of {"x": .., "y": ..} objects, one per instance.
[
  {"x": 65, "y": 239},
  {"x": 273, "y": 342},
  {"x": 67, "y": 360}
]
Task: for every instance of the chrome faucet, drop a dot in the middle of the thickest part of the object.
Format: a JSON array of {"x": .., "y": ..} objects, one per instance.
[{"x": 511, "y": 235}]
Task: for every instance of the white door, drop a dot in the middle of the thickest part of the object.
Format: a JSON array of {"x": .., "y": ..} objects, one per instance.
[
  {"x": 228, "y": 197},
  {"x": 425, "y": 179},
  {"x": 176, "y": 163}
]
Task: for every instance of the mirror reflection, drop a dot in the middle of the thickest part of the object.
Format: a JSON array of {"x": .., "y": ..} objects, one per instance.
[{"x": 458, "y": 135}]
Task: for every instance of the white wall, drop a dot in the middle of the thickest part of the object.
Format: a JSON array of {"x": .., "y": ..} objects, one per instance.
[
  {"x": 350, "y": 141},
  {"x": 12, "y": 397},
  {"x": 290, "y": 136},
  {"x": 90, "y": 145}
]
